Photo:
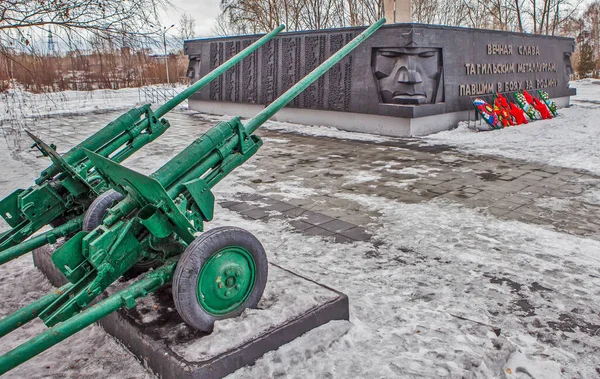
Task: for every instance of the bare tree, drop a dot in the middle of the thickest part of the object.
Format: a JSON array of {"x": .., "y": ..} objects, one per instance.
[
  {"x": 254, "y": 16},
  {"x": 425, "y": 11},
  {"x": 223, "y": 26},
  {"x": 112, "y": 19},
  {"x": 547, "y": 16},
  {"x": 591, "y": 19},
  {"x": 187, "y": 26}
]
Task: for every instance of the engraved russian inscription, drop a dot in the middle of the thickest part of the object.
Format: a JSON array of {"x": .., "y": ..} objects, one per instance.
[
  {"x": 268, "y": 71},
  {"x": 216, "y": 58},
  {"x": 529, "y": 66},
  {"x": 407, "y": 71},
  {"x": 249, "y": 76}
]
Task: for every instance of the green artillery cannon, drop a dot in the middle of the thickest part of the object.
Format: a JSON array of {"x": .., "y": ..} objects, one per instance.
[
  {"x": 215, "y": 275},
  {"x": 64, "y": 191}
]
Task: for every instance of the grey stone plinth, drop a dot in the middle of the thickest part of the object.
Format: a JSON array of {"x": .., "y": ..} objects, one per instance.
[{"x": 153, "y": 331}]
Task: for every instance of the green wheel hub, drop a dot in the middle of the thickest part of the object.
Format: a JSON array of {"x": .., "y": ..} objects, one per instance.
[{"x": 226, "y": 280}]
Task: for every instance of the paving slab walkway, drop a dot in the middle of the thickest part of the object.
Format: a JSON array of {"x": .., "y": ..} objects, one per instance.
[
  {"x": 435, "y": 283},
  {"x": 316, "y": 177}
]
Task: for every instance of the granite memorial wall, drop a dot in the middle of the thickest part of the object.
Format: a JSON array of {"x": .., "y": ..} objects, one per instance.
[{"x": 404, "y": 70}]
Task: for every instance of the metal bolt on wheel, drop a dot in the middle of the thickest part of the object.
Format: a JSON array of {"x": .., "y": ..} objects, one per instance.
[{"x": 226, "y": 280}]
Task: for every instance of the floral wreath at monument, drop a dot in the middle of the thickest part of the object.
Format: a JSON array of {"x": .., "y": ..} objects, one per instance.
[{"x": 504, "y": 113}]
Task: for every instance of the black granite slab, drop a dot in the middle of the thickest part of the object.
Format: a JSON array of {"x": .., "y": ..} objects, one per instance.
[{"x": 403, "y": 70}]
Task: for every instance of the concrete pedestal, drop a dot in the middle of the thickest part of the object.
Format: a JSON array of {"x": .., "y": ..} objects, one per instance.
[
  {"x": 154, "y": 332},
  {"x": 352, "y": 122}
]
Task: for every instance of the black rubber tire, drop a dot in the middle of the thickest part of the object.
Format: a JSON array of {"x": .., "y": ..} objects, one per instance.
[
  {"x": 97, "y": 210},
  {"x": 185, "y": 278}
]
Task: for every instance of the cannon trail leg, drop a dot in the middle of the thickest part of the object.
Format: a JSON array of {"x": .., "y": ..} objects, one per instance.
[
  {"x": 123, "y": 298},
  {"x": 29, "y": 312},
  {"x": 40, "y": 240}
]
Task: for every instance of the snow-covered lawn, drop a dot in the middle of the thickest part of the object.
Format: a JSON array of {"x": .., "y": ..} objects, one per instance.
[
  {"x": 445, "y": 292},
  {"x": 570, "y": 140},
  {"x": 18, "y": 104},
  {"x": 91, "y": 353},
  {"x": 588, "y": 91},
  {"x": 425, "y": 302}
]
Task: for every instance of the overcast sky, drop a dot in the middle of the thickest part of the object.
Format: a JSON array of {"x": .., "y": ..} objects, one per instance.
[
  {"x": 206, "y": 11},
  {"x": 203, "y": 11}
]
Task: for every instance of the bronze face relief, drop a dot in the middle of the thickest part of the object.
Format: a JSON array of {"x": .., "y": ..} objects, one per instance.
[{"x": 408, "y": 75}]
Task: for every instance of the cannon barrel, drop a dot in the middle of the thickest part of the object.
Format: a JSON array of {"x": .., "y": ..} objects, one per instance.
[
  {"x": 164, "y": 216},
  {"x": 119, "y": 140},
  {"x": 291, "y": 93},
  {"x": 177, "y": 171},
  {"x": 215, "y": 73},
  {"x": 100, "y": 138},
  {"x": 185, "y": 94},
  {"x": 94, "y": 142}
]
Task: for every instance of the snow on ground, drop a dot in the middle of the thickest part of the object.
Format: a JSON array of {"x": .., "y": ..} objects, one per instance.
[
  {"x": 91, "y": 353},
  {"x": 21, "y": 110},
  {"x": 426, "y": 300},
  {"x": 570, "y": 140},
  {"x": 425, "y": 303},
  {"x": 587, "y": 91},
  {"x": 362, "y": 177},
  {"x": 18, "y": 104},
  {"x": 322, "y": 131}
]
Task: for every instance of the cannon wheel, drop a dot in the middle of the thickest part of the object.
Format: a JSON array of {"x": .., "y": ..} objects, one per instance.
[
  {"x": 221, "y": 273},
  {"x": 97, "y": 210}
]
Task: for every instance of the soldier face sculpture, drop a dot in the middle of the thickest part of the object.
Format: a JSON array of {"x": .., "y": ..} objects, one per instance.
[{"x": 408, "y": 75}]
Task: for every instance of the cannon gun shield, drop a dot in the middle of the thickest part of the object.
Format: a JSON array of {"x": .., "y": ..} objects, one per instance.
[
  {"x": 9, "y": 209},
  {"x": 145, "y": 191},
  {"x": 59, "y": 161}
]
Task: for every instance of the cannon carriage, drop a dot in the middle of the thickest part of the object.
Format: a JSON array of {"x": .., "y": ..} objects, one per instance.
[{"x": 158, "y": 221}]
